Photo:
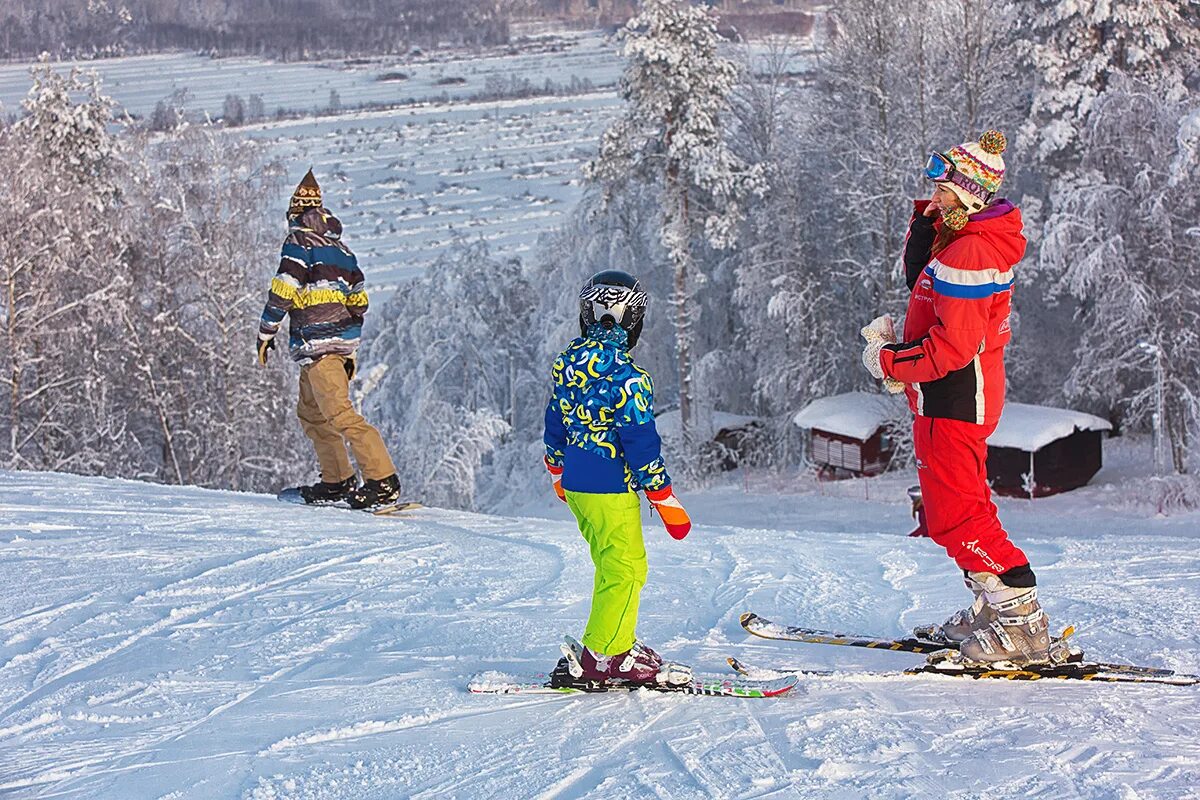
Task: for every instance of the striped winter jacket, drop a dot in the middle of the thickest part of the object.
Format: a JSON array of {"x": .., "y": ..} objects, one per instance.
[
  {"x": 600, "y": 421},
  {"x": 320, "y": 285},
  {"x": 957, "y": 324}
]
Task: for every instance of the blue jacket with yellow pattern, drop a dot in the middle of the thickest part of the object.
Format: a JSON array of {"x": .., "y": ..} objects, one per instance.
[
  {"x": 600, "y": 420},
  {"x": 320, "y": 286}
]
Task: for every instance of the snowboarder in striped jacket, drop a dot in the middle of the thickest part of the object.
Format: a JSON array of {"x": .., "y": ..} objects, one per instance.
[
  {"x": 959, "y": 257},
  {"x": 320, "y": 287},
  {"x": 602, "y": 447}
]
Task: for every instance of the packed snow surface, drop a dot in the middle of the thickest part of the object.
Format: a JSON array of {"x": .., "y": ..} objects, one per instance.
[
  {"x": 159, "y": 642},
  {"x": 1028, "y": 427},
  {"x": 854, "y": 414}
]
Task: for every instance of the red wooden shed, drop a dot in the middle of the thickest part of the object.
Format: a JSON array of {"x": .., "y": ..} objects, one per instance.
[{"x": 847, "y": 433}]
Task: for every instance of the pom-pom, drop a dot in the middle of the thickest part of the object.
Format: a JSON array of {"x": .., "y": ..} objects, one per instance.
[
  {"x": 993, "y": 142},
  {"x": 955, "y": 219}
]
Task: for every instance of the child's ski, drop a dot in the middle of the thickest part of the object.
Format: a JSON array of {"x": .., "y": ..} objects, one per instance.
[{"x": 560, "y": 681}]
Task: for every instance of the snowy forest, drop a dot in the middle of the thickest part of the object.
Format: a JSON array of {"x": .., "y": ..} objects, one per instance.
[{"x": 766, "y": 211}]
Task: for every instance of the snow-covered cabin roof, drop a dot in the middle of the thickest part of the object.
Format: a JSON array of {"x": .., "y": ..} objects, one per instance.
[
  {"x": 855, "y": 414},
  {"x": 668, "y": 423},
  {"x": 1030, "y": 428}
]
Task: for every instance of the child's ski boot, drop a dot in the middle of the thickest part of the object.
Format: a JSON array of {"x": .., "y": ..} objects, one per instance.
[{"x": 639, "y": 664}]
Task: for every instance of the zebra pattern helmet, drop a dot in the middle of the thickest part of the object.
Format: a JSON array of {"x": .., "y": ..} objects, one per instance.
[{"x": 613, "y": 298}]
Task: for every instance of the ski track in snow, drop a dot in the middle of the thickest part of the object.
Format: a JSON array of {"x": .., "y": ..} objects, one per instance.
[{"x": 164, "y": 642}]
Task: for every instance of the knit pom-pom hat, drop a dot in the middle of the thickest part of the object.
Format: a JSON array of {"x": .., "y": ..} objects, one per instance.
[
  {"x": 981, "y": 163},
  {"x": 306, "y": 196}
]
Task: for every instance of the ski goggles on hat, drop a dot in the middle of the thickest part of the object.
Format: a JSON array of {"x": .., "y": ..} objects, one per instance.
[{"x": 940, "y": 169}]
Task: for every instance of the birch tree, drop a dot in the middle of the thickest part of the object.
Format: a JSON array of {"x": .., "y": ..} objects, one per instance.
[{"x": 201, "y": 257}]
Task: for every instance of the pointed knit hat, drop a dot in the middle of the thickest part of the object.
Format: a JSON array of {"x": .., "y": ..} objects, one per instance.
[
  {"x": 307, "y": 195},
  {"x": 981, "y": 163}
]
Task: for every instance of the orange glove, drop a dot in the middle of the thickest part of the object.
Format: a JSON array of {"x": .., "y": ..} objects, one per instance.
[
  {"x": 556, "y": 474},
  {"x": 672, "y": 514}
]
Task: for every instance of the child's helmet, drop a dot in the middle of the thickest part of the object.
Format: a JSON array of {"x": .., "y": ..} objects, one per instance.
[{"x": 613, "y": 298}]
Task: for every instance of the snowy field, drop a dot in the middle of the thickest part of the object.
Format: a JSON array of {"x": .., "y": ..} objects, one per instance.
[
  {"x": 408, "y": 183},
  {"x": 137, "y": 83},
  {"x": 411, "y": 180},
  {"x": 439, "y": 166},
  {"x": 159, "y": 642}
]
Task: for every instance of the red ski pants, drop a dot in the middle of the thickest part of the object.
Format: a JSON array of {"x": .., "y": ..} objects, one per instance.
[{"x": 952, "y": 468}]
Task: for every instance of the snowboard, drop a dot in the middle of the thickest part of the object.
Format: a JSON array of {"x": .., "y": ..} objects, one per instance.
[
  {"x": 293, "y": 496},
  {"x": 944, "y": 660},
  {"x": 560, "y": 681}
]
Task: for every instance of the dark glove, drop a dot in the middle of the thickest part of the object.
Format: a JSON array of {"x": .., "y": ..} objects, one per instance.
[
  {"x": 263, "y": 346},
  {"x": 351, "y": 367}
]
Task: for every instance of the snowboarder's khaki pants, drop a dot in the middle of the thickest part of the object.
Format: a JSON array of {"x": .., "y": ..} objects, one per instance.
[
  {"x": 330, "y": 421},
  {"x": 612, "y": 526}
]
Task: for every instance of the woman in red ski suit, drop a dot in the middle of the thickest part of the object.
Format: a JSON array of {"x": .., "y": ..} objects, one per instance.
[{"x": 959, "y": 257}]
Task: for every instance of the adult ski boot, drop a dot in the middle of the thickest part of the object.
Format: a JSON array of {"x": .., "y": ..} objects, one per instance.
[
  {"x": 639, "y": 664},
  {"x": 373, "y": 494},
  {"x": 1019, "y": 632},
  {"x": 325, "y": 493},
  {"x": 962, "y": 623}
]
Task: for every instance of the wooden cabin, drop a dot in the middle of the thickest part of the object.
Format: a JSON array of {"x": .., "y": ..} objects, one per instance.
[
  {"x": 1037, "y": 451},
  {"x": 848, "y": 433}
]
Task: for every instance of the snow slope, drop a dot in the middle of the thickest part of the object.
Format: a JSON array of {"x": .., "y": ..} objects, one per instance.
[{"x": 158, "y": 642}]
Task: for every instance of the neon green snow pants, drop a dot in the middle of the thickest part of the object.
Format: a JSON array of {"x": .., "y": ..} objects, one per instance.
[{"x": 612, "y": 526}]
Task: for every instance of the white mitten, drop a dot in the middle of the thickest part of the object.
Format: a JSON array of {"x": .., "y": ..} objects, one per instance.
[{"x": 880, "y": 331}]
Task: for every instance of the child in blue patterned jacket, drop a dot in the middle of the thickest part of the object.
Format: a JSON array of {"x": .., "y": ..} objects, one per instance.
[{"x": 601, "y": 448}]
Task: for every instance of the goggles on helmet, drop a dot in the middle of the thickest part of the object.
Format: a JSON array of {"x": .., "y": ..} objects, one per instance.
[
  {"x": 613, "y": 299},
  {"x": 940, "y": 169}
]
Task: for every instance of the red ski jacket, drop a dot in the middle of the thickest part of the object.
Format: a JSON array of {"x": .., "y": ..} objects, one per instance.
[{"x": 957, "y": 324}]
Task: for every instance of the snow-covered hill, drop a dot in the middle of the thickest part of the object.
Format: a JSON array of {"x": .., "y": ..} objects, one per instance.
[{"x": 158, "y": 642}]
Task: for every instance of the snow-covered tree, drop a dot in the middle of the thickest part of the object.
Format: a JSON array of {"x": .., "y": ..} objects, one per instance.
[
  {"x": 1124, "y": 241},
  {"x": 1075, "y": 47},
  {"x": 462, "y": 371},
  {"x": 201, "y": 255},
  {"x": 1097, "y": 67},
  {"x": 821, "y": 255},
  {"x": 132, "y": 276},
  {"x": 676, "y": 87},
  {"x": 59, "y": 171}
]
